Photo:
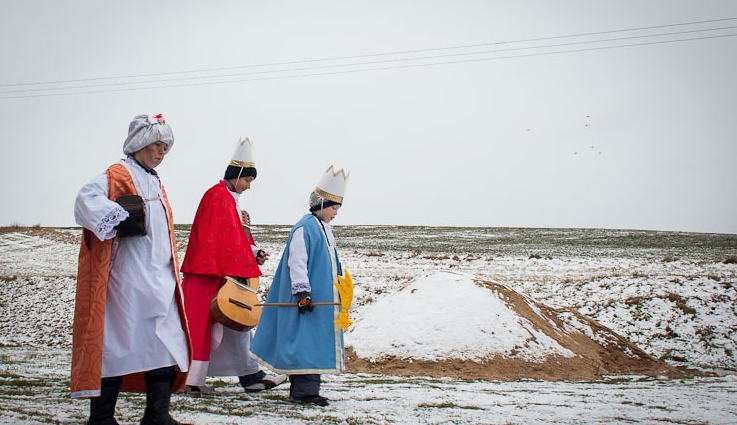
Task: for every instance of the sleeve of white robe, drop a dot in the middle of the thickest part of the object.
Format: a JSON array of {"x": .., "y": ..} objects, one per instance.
[
  {"x": 298, "y": 263},
  {"x": 94, "y": 211}
]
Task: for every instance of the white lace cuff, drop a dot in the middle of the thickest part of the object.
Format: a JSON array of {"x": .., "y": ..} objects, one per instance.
[
  {"x": 298, "y": 287},
  {"x": 105, "y": 228}
]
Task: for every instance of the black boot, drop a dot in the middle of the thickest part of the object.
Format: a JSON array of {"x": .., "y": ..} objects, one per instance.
[
  {"x": 158, "y": 396},
  {"x": 102, "y": 408}
]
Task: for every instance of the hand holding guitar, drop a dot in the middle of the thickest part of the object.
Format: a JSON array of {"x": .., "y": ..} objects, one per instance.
[
  {"x": 262, "y": 257},
  {"x": 246, "y": 220}
]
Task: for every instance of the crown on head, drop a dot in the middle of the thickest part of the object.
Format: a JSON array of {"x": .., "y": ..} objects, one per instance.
[
  {"x": 332, "y": 185},
  {"x": 243, "y": 155}
]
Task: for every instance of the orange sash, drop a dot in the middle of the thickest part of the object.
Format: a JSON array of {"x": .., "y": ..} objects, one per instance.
[{"x": 89, "y": 309}]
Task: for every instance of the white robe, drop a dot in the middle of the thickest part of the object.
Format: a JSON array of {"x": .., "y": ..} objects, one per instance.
[
  {"x": 142, "y": 327},
  {"x": 229, "y": 353}
]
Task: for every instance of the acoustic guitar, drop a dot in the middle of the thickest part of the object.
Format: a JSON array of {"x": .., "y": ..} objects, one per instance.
[{"x": 236, "y": 303}]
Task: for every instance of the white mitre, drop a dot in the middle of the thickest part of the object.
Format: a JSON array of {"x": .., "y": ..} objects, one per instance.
[
  {"x": 332, "y": 185},
  {"x": 243, "y": 155}
]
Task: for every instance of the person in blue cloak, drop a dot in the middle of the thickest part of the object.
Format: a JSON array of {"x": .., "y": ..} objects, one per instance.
[{"x": 305, "y": 342}]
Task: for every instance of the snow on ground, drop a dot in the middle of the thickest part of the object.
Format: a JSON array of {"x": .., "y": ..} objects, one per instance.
[
  {"x": 447, "y": 315},
  {"x": 681, "y": 309},
  {"x": 34, "y": 390},
  {"x": 24, "y": 254}
]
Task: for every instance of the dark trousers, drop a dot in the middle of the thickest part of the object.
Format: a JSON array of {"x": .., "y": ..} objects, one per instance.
[
  {"x": 253, "y": 378},
  {"x": 162, "y": 372},
  {"x": 304, "y": 385},
  {"x": 158, "y": 393}
]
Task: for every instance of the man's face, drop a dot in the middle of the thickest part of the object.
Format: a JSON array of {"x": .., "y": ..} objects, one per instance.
[
  {"x": 242, "y": 184},
  {"x": 152, "y": 155}
]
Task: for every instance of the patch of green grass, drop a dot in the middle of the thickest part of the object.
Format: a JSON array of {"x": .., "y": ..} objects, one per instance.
[
  {"x": 446, "y": 405},
  {"x": 377, "y": 381},
  {"x": 355, "y": 421},
  {"x": 706, "y": 333},
  {"x": 669, "y": 355},
  {"x": 276, "y": 397},
  {"x": 217, "y": 409},
  {"x": 508, "y": 241},
  {"x": 680, "y": 303},
  {"x": 611, "y": 381},
  {"x": 336, "y": 420},
  {"x": 20, "y": 383},
  {"x": 17, "y": 391},
  {"x": 619, "y": 419},
  {"x": 6, "y": 374},
  {"x": 13, "y": 227},
  {"x": 36, "y": 416},
  {"x": 219, "y": 383}
]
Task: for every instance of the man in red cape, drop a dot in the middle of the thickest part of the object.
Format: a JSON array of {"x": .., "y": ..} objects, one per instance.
[{"x": 219, "y": 246}]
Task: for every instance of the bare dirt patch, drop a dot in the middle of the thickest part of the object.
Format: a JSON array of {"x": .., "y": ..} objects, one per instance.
[{"x": 511, "y": 369}]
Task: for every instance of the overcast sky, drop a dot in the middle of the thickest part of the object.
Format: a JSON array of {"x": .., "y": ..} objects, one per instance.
[{"x": 561, "y": 130}]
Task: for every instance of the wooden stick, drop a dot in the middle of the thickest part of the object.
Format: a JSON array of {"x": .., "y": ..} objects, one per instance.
[{"x": 290, "y": 304}]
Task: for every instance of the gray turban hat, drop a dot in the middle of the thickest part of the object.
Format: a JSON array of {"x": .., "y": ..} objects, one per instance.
[
  {"x": 145, "y": 130},
  {"x": 317, "y": 202}
]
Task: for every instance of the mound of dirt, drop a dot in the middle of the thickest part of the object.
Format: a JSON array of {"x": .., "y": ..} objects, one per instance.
[{"x": 484, "y": 330}]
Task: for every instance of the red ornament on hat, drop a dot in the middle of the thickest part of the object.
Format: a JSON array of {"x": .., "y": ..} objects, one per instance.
[{"x": 160, "y": 118}]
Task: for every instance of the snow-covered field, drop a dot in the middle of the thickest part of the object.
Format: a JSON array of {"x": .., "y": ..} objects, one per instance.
[
  {"x": 671, "y": 294},
  {"x": 34, "y": 389}
]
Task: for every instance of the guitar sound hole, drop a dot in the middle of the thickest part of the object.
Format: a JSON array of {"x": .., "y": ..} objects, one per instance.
[{"x": 239, "y": 304}]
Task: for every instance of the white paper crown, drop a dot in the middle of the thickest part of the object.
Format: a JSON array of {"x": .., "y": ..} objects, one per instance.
[
  {"x": 243, "y": 155},
  {"x": 332, "y": 185}
]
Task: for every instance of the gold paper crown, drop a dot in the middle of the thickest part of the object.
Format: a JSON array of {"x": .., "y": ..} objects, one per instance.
[
  {"x": 243, "y": 155},
  {"x": 332, "y": 185}
]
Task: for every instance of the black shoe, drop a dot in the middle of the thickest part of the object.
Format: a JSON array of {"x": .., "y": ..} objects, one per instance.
[
  {"x": 158, "y": 397},
  {"x": 102, "y": 408},
  {"x": 317, "y": 400},
  {"x": 268, "y": 382}
]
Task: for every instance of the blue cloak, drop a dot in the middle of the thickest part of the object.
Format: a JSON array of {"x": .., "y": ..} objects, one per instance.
[{"x": 293, "y": 343}]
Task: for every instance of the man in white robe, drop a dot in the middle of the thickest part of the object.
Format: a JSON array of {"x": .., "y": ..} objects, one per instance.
[{"x": 144, "y": 331}]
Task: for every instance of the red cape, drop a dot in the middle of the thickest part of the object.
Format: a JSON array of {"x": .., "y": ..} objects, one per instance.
[{"x": 218, "y": 245}]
